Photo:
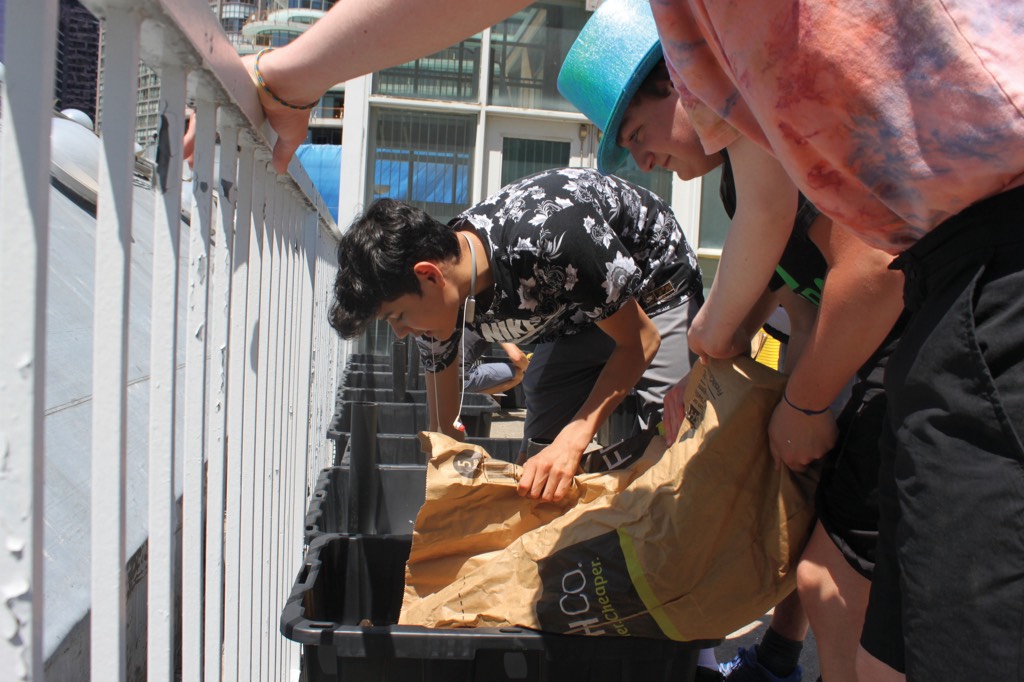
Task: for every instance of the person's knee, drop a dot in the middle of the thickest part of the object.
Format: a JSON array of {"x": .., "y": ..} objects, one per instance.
[
  {"x": 814, "y": 581},
  {"x": 809, "y": 579}
]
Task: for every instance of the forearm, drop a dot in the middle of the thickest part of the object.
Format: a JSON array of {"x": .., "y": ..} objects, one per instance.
[
  {"x": 858, "y": 310},
  {"x": 548, "y": 474},
  {"x": 357, "y": 37},
  {"x": 763, "y": 308},
  {"x": 860, "y": 303},
  {"x": 765, "y": 211},
  {"x": 515, "y": 355},
  {"x": 742, "y": 277},
  {"x": 624, "y": 368}
]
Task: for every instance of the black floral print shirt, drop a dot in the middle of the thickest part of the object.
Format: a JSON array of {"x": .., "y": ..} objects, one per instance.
[{"x": 567, "y": 247}]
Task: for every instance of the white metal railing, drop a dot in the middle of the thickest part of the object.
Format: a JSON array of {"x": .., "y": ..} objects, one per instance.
[{"x": 259, "y": 358}]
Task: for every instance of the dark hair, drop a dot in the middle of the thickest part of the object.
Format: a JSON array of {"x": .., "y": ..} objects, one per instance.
[
  {"x": 376, "y": 256},
  {"x": 658, "y": 84}
]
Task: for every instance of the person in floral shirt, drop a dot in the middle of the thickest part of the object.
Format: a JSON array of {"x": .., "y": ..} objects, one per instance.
[{"x": 593, "y": 269}]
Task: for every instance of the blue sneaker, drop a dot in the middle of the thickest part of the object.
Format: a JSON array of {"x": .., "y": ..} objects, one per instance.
[{"x": 745, "y": 668}]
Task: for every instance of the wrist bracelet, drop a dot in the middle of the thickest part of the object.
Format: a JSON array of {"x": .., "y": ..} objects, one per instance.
[
  {"x": 809, "y": 413},
  {"x": 266, "y": 88}
]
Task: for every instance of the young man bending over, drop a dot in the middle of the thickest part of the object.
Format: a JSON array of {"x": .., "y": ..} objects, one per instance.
[{"x": 594, "y": 265}]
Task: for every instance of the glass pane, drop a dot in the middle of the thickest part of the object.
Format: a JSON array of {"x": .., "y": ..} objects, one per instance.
[
  {"x": 714, "y": 222},
  {"x": 520, "y": 158},
  {"x": 423, "y": 158},
  {"x": 311, "y": 4},
  {"x": 658, "y": 181},
  {"x": 452, "y": 74},
  {"x": 527, "y": 51}
]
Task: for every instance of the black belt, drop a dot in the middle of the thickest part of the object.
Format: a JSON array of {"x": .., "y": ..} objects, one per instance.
[{"x": 661, "y": 294}]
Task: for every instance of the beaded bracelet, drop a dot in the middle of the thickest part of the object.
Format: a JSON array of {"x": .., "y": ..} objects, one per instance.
[
  {"x": 266, "y": 88},
  {"x": 809, "y": 413}
]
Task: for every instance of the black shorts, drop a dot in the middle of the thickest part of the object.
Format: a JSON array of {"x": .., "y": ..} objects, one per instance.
[
  {"x": 847, "y": 496},
  {"x": 947, "y": 598}
]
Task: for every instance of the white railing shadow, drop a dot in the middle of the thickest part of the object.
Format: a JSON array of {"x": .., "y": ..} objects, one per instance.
[{"x": 242, "y": 363}]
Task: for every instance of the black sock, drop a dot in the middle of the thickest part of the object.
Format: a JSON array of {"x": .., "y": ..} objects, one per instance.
[{"x": 778, "y": 654}]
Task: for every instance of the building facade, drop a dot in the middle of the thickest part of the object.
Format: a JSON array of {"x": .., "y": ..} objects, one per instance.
[
  {"x": 445, "y": 131},
  {"x": 78, "y": 38}
]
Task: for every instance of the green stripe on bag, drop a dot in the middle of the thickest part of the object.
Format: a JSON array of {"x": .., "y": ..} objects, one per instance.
[{"x": 643, "y": 589}]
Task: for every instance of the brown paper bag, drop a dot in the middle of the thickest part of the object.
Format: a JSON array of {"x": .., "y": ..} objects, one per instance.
[{"x": 689, "y": 542}]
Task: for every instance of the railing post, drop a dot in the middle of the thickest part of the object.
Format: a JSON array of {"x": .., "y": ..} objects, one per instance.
[
  {"x": 197, "y": 331},
  {"x": 277, "y": 422},
  {"x": 309, "y": 364},
  {"x": 108, "y": 651},
  {"x": 31, "y": 29},
  {"x": 219, "y": 319},
  {"x": 264, "y": 445},
  {"x": 163, "y": 574},
  {"x": 240, "y": 404},
  {"x": 257, "y": 378}
]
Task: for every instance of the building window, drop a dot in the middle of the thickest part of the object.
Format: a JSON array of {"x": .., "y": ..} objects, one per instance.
[
  {"x": 452, "y": 74},
  {"x": 332, "y": 105},
  {"x": 324, "y": 136},
  {"x": 276, "y": 38},
  {"x": 425, "y": 159},
  {"x": 522, "y": 157},
  {"x": 528, "y": 50},
  {"x": 311, "y": 4}
]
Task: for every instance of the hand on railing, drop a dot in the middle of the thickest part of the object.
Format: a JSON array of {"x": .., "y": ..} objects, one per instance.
[{"x": 291, "y": 125}]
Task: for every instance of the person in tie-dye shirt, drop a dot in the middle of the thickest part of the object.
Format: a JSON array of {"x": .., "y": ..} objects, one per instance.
[{"x": 903, "y": 122}]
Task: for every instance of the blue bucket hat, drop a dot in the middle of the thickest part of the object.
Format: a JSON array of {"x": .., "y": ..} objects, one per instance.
[{"x": 616, "y": 50}]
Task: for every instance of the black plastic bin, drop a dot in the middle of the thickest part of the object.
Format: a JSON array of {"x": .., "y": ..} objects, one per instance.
[
  {"x": 401, "y": 490},
  {"x": 363, "y": 379},
  {"x": 383, "y": 395},
  {"x": 370, "y": 358},
  {"x": 411, "y": 418},
  {"x": 379, "y": 395},
  {"x": 368, "y": 367},
  {"x": 348, "y": 597},
  {"x": 394, "y": 490},
  {"x": 393, "y": 448}
]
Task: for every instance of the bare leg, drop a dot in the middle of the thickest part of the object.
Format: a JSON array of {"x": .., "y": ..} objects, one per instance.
[
  {"x": 835, "y": 597},
  {"x": 506, "y": 385}
]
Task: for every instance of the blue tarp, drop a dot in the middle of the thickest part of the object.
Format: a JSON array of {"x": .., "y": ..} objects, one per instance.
[
  {"x": 323, "y": 165},
  {"x": 436, "y": 177}
]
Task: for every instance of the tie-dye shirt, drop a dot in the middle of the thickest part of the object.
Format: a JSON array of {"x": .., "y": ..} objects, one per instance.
[{"x": 890, "y": 115}]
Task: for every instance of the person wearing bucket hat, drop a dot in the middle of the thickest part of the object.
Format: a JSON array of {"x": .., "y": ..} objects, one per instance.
[
  {"x": 647, "y": 116},
  {"x": 622, "y": 37}
]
